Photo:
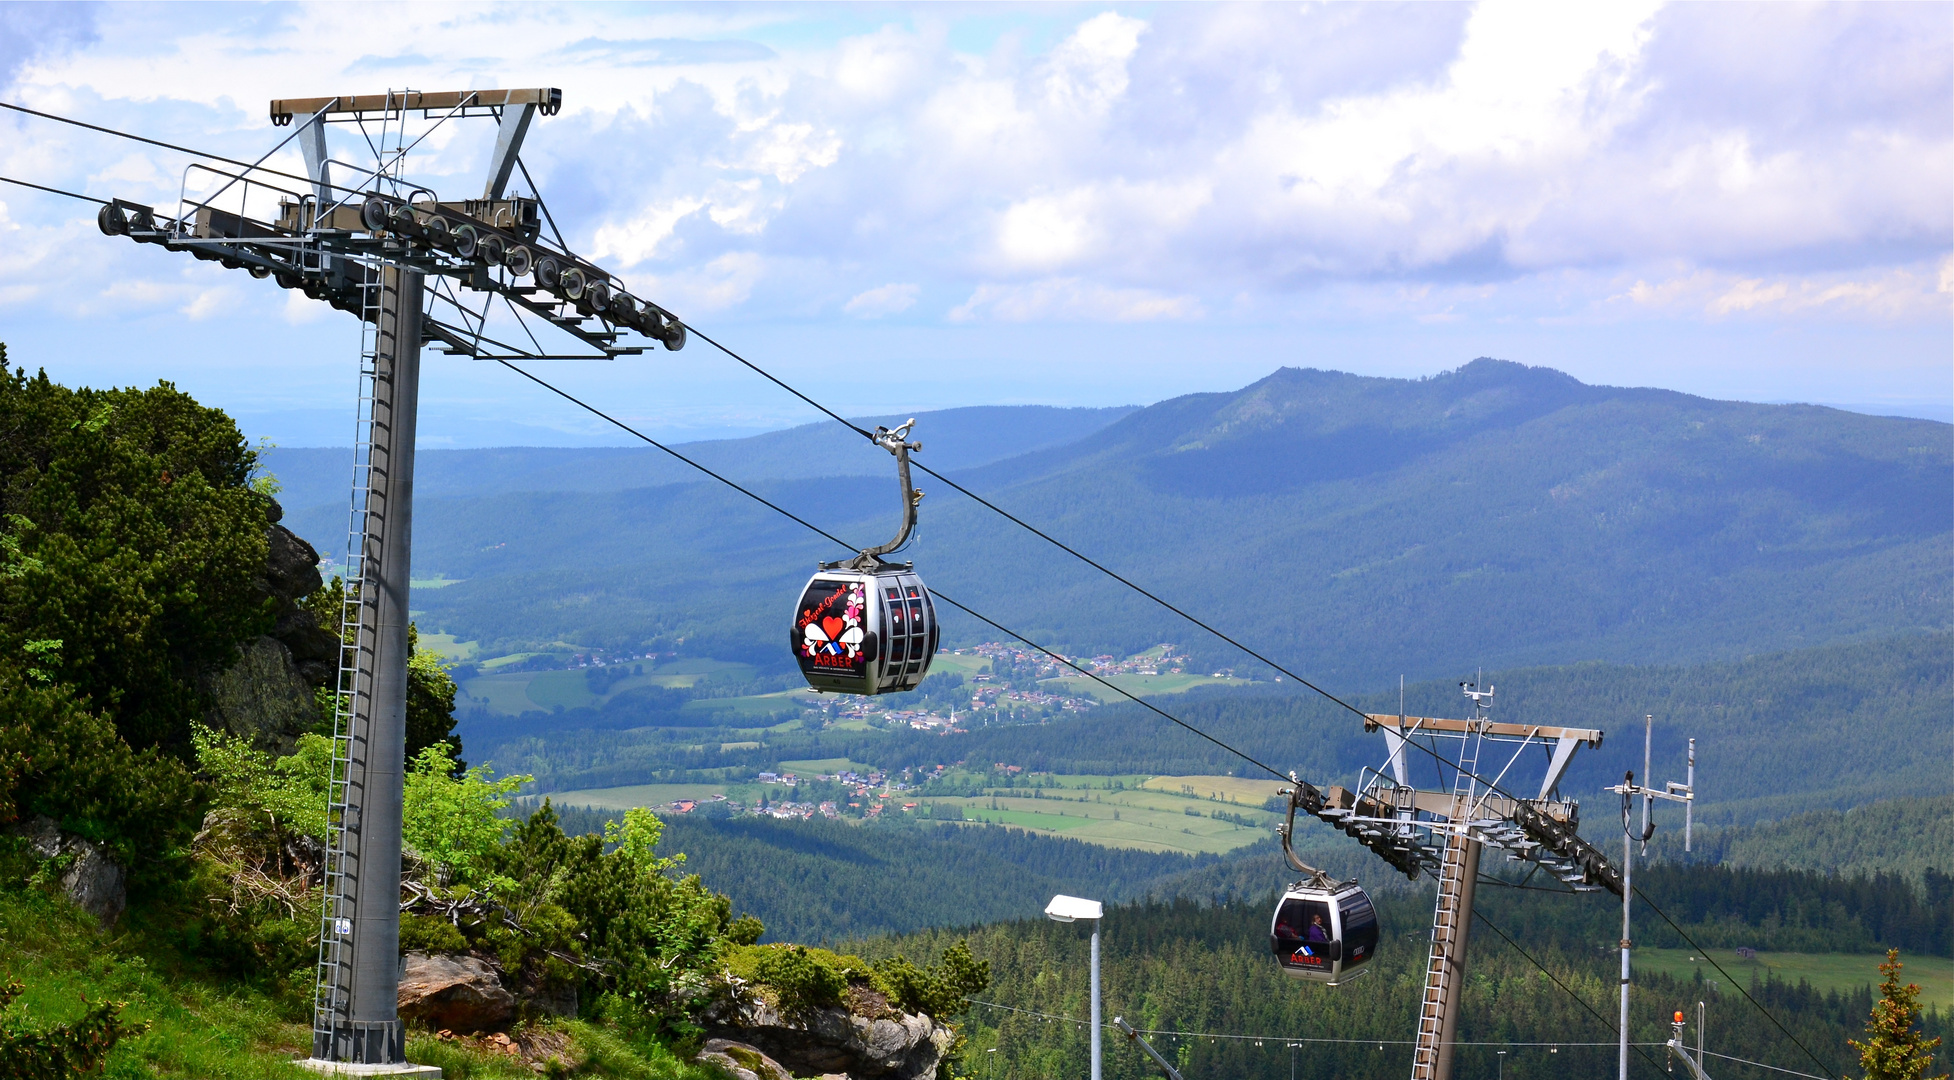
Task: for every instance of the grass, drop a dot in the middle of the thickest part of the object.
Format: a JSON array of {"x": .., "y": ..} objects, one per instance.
[
  {"x": 206, "y": 1027},
  {"x": 778, "y": 703},
  {"x": 1239, "y": 791},
  {"x": 1141, "y": 685},
  {"x": 1843, "y": 972},
  {"x": 1144, "y": 817},
  {"x": 199, "y": 1026},
  {"x": 438, "y": 581},
  {"x": 821, "y": 766},
  {"x": 446, "y": 647},
  {"x": 965, "y": 664},
  {"x": 655, "y": 796}
]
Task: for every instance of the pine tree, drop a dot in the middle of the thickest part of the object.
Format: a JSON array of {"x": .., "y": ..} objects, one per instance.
[{"x": 1893, "y": 1049}]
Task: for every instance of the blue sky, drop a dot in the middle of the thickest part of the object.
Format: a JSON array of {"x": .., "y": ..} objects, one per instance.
[{"x": 911, "y": 207}]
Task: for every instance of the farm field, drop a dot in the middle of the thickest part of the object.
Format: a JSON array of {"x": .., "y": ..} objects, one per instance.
[
  {"x": 1149, "y": 813},
  {"x": 1119, "y": 812},
  {"x": 658, "y": 797},
  {"x": 824, "y": 765},
  {"x": 516, "y": 692},
  {"x": 1242, "y": 791},
  {"x": 447, "y": 648},
  {"x": 1843, "y": 972},
  {"x": 1141, "y": 685}
]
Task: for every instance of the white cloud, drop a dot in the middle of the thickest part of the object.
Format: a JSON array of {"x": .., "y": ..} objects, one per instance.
[
  {"x": 882, "y": 300},
  {"x": 1918, "y": 291},
  {"x": 1071, "y": 299},
  {"x": 1202, "y": 159}
]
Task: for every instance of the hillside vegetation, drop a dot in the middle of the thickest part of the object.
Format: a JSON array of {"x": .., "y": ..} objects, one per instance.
[
  {"x": 1354, "y": 527},
  {"x": 1196, "y": 969}
]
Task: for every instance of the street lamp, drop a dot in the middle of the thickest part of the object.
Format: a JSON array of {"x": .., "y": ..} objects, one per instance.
[{"x": 1072, "y": 909}]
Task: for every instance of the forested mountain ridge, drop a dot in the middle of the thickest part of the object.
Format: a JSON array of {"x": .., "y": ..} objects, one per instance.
[
  {"x": 316, "y": 478},
  {"x": 1353, "y": 527}
]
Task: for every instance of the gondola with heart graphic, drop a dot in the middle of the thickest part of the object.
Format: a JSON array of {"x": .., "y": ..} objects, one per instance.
[{"x": 866, "y": 625}]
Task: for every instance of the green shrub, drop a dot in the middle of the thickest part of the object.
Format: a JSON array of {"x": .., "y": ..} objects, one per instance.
[
  {"x": 62, "y": 1050},
  {"x": 938, "y": 990},
  {"x": 802, "y": 978}
]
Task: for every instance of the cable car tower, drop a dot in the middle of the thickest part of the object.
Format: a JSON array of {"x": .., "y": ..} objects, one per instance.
[
  {"x": 477, "y": 277},
  {"x": 1443, "y": 831}
]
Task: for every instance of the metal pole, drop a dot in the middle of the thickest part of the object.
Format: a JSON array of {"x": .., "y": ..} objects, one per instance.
[
  {"x": 1448, "y": 1037},
  {"x": 1095, "y": 999},
  {"x": 1628, "y": 893},
  {"x": 1690, "y": 806},
  {"x": 370, "y": 1031}
]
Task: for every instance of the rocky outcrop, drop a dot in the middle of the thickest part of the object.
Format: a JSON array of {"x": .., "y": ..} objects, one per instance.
[
  {"x": 834, "y": 1041},
  {"x": 742, "y": 1062},
  {"x": 265, "y": 697},
  {"x": 453, "y": 992},
  {"x": 90, "y": 878},
  {"x": 262, "y": 699}
]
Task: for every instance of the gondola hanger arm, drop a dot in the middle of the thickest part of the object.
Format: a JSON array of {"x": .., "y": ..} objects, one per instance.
[{"x": 895, "y": 441}]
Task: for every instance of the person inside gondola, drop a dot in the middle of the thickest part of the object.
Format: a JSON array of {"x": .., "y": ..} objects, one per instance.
[{"x": 1317, "y": 931}]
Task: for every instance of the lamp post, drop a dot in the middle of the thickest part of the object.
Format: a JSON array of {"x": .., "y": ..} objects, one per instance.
[{"x": 1071, "y": 909}]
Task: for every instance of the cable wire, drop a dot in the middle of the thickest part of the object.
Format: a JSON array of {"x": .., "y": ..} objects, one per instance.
[
  {"x": 166, "y": 146},
  {"x": 1733, "y": 982},
  {"x": 1583, "y": 1002},
  {"x": 1441, "y": 759},
  {"x": 53, "y": 191},
  {"x": 1219, "y": 1036},
  {"x": 1761, "y": 1065},
  {"x": 830, "y": 536},
  {"x": 803, "y": 522},
  {"x": 595, "y": 411},
  {"x": 1272, "y": 770}
]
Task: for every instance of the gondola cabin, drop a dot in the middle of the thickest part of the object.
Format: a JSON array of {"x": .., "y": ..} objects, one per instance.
[
  {"x": 865, "y": 632},
  {"x": 1326, "y": 935}
]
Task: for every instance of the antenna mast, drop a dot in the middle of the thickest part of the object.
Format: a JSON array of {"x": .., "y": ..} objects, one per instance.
[{"x": 1632, "y": 837}]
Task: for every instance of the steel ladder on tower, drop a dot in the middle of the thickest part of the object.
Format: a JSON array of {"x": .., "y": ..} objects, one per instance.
[
  {"x": 333, "y": 989},
  {"x": 1448, "y": 920}
]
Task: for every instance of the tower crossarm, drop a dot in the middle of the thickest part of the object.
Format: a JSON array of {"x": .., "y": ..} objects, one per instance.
[{"x": 1406, "y": 725}]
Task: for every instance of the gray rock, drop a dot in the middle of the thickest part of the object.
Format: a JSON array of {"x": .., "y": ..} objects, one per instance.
[
  {"x": 262, "y": 698},
  {"x": 742, "y": 1061},
  {"x": 900, "y": 1046},
  {"x": 91, "y": 879},
  {"x": 551, "y": 999},
  {"x": 457, "y": 992},
  {"x": 291, "y": 565}
]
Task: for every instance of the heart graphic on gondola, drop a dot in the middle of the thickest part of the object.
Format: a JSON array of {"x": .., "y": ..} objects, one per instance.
[{"x": 832, "y": 627}]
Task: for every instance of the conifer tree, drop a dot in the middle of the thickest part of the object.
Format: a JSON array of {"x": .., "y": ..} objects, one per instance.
[{"x": 1894, "y": 1049}]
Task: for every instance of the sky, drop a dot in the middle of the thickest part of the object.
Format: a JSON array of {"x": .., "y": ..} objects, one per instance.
[{"x": 902, "y": 207}]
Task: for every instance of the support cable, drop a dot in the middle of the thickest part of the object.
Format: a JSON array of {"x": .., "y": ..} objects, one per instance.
[
  {"x": 958, "y": 487},
  {"x": 1581, "y": 1001},
  {"x": 53, "y": 191},
  {"x": 593, "y": 410},
  {"x": 1215, "y": 1036},
  {"x": 1644, "y": 897},
  {"x": 1441, "y": 759},
  {"x": 1761, "y": 1065},
  {"x": 167, "y": 146}
]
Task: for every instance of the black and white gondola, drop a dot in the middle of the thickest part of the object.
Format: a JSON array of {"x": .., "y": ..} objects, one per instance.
[
  {"x": 865, "y": 625},
  {"x": 1323, "y": 930}
]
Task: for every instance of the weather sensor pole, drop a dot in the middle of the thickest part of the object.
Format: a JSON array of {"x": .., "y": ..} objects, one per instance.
[
  {"x": 1633, "y": 835},
  {"x": 393, "y": 253}
]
